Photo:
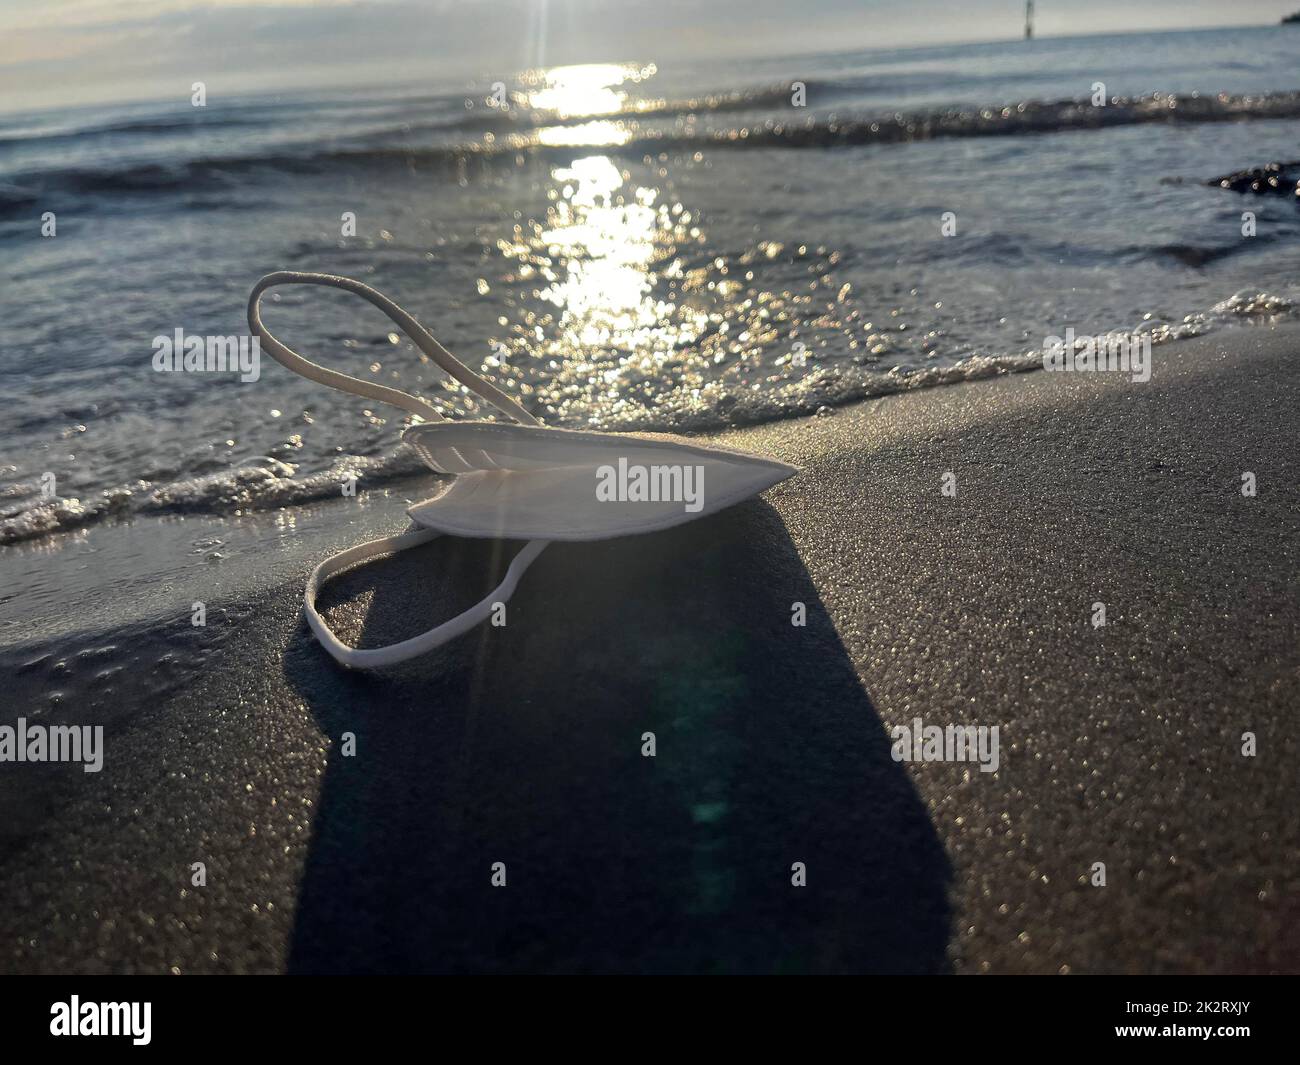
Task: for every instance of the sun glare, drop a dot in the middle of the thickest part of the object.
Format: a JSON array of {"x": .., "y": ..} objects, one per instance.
[{"x": 589, "y": 89}]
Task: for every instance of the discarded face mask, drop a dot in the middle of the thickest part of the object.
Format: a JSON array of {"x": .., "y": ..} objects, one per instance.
[{"x": 515, "y": 481}]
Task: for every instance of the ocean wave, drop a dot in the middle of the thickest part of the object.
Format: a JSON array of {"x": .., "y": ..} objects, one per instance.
[
  {"x": 1026, "y": 117},
  {"x": 520, "y": 116},
  {"x": 838, "y": 383},
  {"x": 15, "y": 199},
  {"x": 632, "y": 134},
  {"x": 253, "y": 486},
  {"x": 192, "y": 121},
  {"x": 268, "y": 484}
]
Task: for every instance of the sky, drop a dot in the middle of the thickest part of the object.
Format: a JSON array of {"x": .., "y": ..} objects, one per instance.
[{"x": 55, "y": 53}]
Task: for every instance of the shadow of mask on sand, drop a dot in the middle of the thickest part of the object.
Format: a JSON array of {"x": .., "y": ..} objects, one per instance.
[{"x": 522, "y": 744}]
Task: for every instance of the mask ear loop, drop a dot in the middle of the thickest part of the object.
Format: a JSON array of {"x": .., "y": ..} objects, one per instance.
[
  {"x": 372, "y": 658},
  {"x": 421, "y": 337}
]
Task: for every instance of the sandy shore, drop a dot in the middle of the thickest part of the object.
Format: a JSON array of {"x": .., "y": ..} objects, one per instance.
[{"x": 523, "y": 744}]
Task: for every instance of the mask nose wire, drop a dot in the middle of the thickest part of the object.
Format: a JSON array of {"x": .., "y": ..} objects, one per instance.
[{"x": 424, "y": 340}]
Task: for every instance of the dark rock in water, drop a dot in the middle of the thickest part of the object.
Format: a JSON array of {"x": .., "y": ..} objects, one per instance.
[{"x": 1281, "y": 179}]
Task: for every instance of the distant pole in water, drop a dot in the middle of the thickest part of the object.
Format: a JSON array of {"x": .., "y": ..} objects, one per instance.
[{"x": 1029, "y": 19}]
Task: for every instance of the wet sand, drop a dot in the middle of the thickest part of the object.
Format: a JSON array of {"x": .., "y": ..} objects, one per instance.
[{"x": 523, "y": 744}]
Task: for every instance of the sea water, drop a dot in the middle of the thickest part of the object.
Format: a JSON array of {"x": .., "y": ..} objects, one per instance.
[{"x": 638, "y": 244}]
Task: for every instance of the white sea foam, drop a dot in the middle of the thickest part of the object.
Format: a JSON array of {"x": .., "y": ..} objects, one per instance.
[
  {"x": 267, "y": 483},
  {"x": 251, "y": 487}
]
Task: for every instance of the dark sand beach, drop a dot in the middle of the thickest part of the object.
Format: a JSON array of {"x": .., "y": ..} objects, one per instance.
[{"x": 522, "y": 744}]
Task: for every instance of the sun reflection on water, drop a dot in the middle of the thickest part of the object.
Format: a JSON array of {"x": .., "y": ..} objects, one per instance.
[
  {"x": 599, "y": 257},
  {"x": 621, "y": 310},
  {"x": 587, "y": 89},
  {"x": 599, "y": 134}
]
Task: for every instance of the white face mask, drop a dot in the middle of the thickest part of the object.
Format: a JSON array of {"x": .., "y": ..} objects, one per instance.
[{"x": 517, "y": 482}]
